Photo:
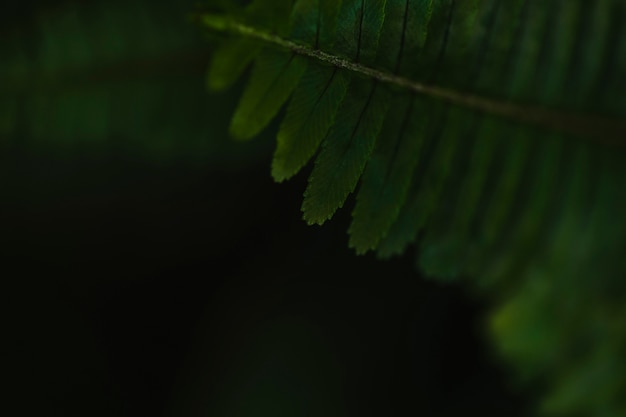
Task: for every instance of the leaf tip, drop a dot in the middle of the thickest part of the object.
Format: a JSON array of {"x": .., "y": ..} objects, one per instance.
[
  {"x": 279, "y": 173},
  {"x": 358, "y": 247},
  {"x": 240, "y": 129},
  {"x": 217, "y": 84},
  {"x": 313, "y": 214},
  {"x": 312, "y": 220}
]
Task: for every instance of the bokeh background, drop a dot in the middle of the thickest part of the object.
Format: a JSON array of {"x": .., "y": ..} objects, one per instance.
[{"x": 151, "y": 266}]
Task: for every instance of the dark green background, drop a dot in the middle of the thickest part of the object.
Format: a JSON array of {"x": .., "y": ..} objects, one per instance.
[{"x": 175, "y": 278}]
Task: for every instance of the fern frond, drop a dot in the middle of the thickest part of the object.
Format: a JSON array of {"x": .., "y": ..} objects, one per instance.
[{"x": 490, "y": 135}]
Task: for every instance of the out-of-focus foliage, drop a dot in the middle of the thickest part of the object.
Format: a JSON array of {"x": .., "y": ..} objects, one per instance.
[
  {"x": 488, "y": 135},
  {"x": 111, "y": 75}
]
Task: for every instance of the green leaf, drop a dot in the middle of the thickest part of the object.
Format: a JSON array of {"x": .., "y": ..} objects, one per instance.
[
  {"x": 275, "y": 76},
  {"x": 488, "y": 137},
  {"x": 229, "y": 62},
  {"x": 348, "y": 145},
  {"x": 358, "y": 29},
  {"x": 345, "y": 151},
  {"x": 273, "y": 79},
  {"x": 314, "y": 22},
  {"x": 234, "y": 56},
  {"x": 388, "y": 175},
  {"x": 316, "y": 100},
  {"x": 310, "y": 114}
]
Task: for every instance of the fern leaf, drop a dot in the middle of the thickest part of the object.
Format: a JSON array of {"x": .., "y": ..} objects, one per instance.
[
  {"x": 347, "y": 147},
  {"x": 386, "y": 180},
  {"x": 273, "y": 79},
  {"x": 316, "y": 100},
  {"x": 345, "y": 151},
  {"x": 387, "y": 177},
  {"x": 358, "y": 30},
  {"x": 274, "y": 76},
  {"x": 232, "y": 57},
  {"x": 490, "y": 136},
  {"x": 229, "y": 62},
  {"x": 314, "y": 22},
  {"x": 310, "y": 114},
  {"x": 404, "y": 230}
]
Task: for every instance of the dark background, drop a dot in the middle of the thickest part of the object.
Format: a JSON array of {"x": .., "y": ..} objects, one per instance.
[
  {"x": 144, "y": 290},
  {"x": 187, "y": 284}
]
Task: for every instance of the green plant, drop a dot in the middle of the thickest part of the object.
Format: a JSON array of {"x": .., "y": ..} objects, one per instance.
[
  {"x": 485, "y": 136},
  {"x": 488, "y": 136},
  {"x": 98, "y": 75}
]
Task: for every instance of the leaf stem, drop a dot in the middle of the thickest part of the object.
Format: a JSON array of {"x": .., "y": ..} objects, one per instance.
[{"x": 606, "y": 130}]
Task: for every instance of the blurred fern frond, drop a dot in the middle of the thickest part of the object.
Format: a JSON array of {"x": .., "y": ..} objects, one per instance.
[{"x": 103, "y": 75}]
